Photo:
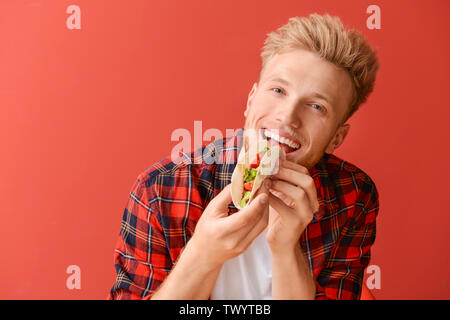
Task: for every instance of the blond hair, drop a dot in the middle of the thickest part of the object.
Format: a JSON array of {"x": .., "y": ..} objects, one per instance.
[{"x": 326, "y": 36}]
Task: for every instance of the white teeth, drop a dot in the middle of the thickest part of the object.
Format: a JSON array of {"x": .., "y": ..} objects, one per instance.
[{"x": 273, "y": 135}]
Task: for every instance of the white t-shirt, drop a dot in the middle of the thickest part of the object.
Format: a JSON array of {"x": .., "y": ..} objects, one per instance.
[{"x": 247, "y": 276}]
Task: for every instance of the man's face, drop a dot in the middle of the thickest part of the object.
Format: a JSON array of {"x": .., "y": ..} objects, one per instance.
[{"x": 303, "y": 98}]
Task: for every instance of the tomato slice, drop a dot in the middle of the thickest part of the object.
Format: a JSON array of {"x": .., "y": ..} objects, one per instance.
[
  {"x": 258, "y": 161},
  {"x": 248, "y": 185}
]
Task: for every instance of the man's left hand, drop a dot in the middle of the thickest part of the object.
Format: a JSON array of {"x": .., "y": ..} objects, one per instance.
[{"x": 293, "y": 201}]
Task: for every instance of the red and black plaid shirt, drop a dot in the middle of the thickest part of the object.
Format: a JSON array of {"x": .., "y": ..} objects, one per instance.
[{"x": 168, "y": 199}]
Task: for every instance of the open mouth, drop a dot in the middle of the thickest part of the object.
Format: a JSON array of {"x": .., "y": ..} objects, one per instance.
[{"x": 287, "y": 144}]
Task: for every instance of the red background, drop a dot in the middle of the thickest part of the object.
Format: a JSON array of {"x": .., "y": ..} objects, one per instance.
[{"x": 83, "y": 112}]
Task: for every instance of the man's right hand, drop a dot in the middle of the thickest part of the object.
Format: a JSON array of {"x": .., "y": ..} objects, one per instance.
[{"x": 219, "y": 237}]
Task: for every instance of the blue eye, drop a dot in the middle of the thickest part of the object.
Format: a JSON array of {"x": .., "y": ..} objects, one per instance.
[
  {"x": 317, "y": 107},
  {"x": 281, "y": 91}
]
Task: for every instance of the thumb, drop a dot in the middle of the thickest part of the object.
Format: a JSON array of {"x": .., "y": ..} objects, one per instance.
[
  {"x": 266, "y": 184},
  {"x": 222, "y": 199},
  {"x": 260, "y": 200},
  {"x": 264, "y": 190}
]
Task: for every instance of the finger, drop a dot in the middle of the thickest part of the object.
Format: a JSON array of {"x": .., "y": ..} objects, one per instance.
[
  {"x": 297, "y": 197},
  {"x": 273, "y": 215},
  {"x": 304, "y": 181},
  {"x": 244, "y": 236},
  {"x": 222, "y": 200},
  {"x": 300, "y": 213},
  {"x": 280, "y": 195},
  {"x": 249, "y": 216},
  {"x": 290, "y": 193},
  {"x": 250, "y": 232},
  {"x": 294, "y": 166},
  {"x": 256, "y": 230},
  {"x": 299, "y": 168},
  {"x": 264, "y": 188},
  {"x": 262, "y": 223},
  {"x": 281, "y": 208}
]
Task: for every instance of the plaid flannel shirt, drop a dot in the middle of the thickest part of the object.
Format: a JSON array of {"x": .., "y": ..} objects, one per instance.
[{"x": 168, "y": 199}]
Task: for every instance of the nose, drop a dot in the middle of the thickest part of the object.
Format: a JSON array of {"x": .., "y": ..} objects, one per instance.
[{"x": 288, "y": 115}]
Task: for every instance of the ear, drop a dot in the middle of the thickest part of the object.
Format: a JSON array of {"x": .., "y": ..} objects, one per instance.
[
  {"x": 338, "y": 138},
  {"x": 250, "y": 98}
]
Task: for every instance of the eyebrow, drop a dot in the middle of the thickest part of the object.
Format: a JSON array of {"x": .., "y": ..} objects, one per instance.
[
  {"x": 280, "y": 80},
  {"x": 313, "y": 94},
  {"x": 321, "y": 96}
]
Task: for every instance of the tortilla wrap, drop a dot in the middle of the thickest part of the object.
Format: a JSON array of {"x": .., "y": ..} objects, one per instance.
[{"x": 268, "y": 166}]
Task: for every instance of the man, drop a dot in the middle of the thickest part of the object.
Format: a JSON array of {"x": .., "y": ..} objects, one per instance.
[{"x": 308, "y": 232}]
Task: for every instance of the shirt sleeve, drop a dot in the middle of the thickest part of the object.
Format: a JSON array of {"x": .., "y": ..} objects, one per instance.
[
  {"x": 343, "y": 273},
  {"x": 141, "y": 257}
]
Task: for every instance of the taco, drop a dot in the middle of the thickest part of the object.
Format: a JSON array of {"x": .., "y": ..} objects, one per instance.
[{"x": 253, "y": 166}]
